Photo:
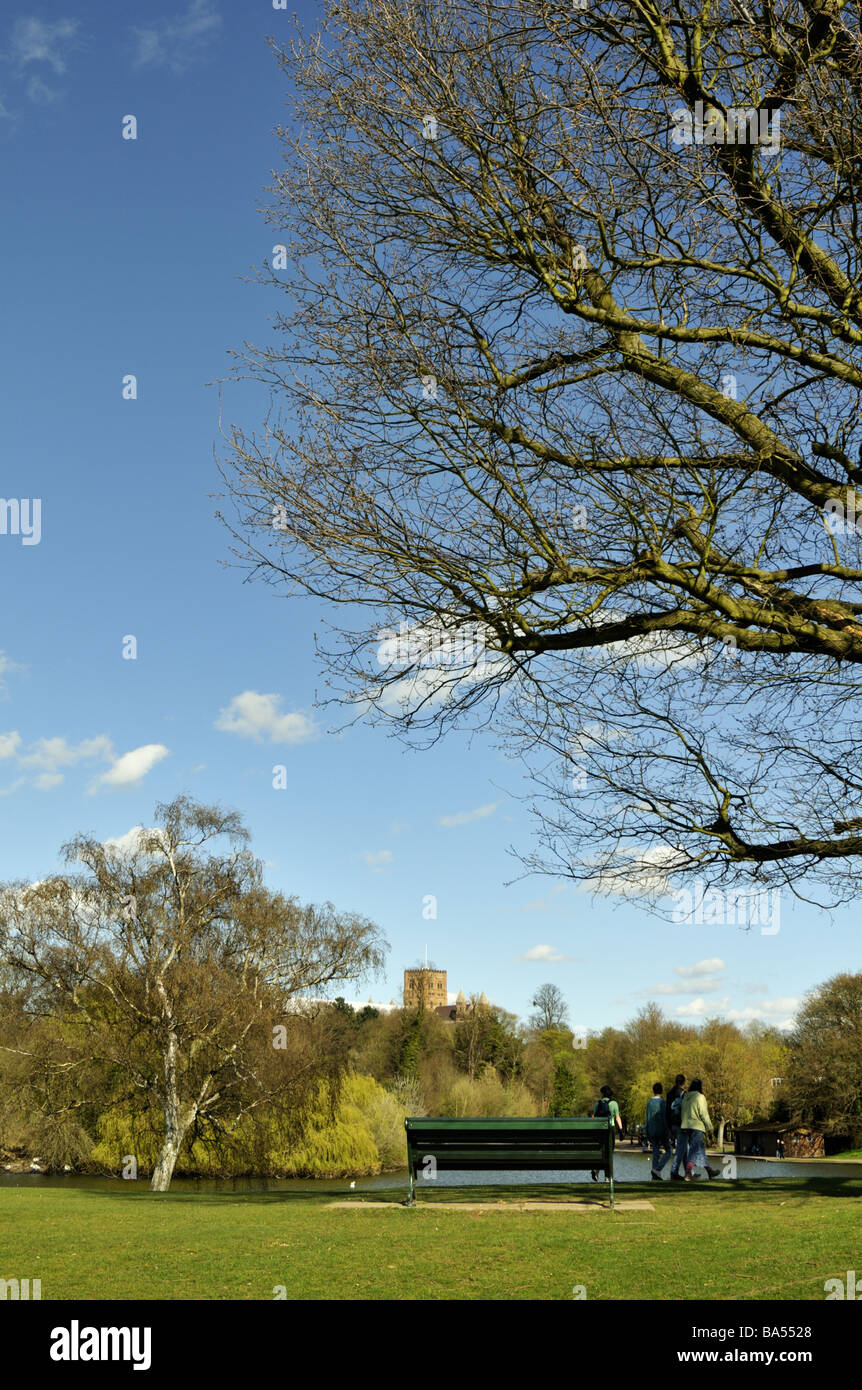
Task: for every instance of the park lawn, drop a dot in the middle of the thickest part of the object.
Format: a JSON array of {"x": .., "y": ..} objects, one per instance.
[{"x": 761, "y": 1239}]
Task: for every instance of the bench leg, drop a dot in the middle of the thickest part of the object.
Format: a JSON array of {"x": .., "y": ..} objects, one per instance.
[
  {"x": 612, "y": 1192},
  {"x": 411, "y": 1195}
]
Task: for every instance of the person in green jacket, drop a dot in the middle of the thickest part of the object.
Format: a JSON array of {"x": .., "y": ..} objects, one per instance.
[
  {"x": 606, "y": 1108},
  {"x": 696, "y": 1125}
]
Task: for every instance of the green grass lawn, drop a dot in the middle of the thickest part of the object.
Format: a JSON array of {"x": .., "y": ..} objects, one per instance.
[{"x": 760, "y": 1239}]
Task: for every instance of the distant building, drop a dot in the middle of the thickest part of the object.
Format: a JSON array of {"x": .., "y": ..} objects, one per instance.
[
  {"x": 369, "y": 1003},
  {"x": 454, "y": 1013},
  {"x": 300, "y": 1004},
  {"x": 762, "y": 1141},
  {"x": 425, "y": 988}
]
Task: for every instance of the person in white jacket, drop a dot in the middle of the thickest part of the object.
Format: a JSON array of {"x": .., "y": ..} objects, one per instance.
[{"x": 696, "y": 1125}]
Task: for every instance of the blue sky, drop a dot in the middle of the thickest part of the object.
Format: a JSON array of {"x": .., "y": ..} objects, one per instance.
[{"x": 127, "y": 257}]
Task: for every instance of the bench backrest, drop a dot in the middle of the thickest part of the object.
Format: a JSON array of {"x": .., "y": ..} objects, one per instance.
[{"x": 509, "y": 1143}]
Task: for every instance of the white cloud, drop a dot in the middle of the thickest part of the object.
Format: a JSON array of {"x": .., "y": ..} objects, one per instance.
[
  {"x": 703, "y": 967},
  {"x": 46, "y": 780},
  {"x": 9, "y": 743},
  {"x": 125, "y": 846},
  {"x": 377, "y": 859},
  {"x": 49, "y": 754},
  {"x": 637, "y": 873},
  {"x": 780, "y": 1012},
  {"x": 7, "y": 666},
  {"x": 779, "y": 1006},
  {"x": 252, "y": 715},
  {"x": 699, "y": 1007},
  {"x": 653, "y": 649},
  {"x": 132, "y": 766},
  {"x": 465, "y": 817},
  {"x": 424, "y": 688},
  {"x": 705, "y": 984},
  {"x": 549, "y": 954},
  {"x": 702, "y": 977},
  {"x": 175, "y": 44},
  {"x": 441, "y": 658},
  {"x": 35, "y": 41},
  {"x": 46, "y": 758}
]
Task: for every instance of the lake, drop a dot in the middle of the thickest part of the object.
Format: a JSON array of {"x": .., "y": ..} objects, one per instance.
[{"x": 630, "y": 1165}]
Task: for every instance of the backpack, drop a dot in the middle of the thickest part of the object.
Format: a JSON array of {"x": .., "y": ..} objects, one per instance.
[{"x": 603, "y": 1109}]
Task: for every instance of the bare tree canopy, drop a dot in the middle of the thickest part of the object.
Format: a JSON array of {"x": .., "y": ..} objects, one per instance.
[
  {"x": 169, "y": 963},
  {"x": 550, "y": 1009},
  {"x": 566, "y": 410}
]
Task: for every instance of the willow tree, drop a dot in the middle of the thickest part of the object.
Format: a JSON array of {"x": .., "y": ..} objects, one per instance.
[
  {"x": 167, "y": 965},
  {"x": 565, "y": 410}
]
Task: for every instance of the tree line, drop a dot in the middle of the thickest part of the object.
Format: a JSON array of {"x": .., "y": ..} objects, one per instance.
[{"x": 161, "y": 1007}]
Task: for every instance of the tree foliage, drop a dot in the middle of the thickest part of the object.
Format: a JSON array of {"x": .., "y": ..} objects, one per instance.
[
  {"x": 172, "y": 969},
  {"x": 570, "y": 410},
  {"x": 824, "y": 1073}
]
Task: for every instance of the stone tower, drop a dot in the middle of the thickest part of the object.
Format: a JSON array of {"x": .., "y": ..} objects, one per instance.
[{"x": 424, "y": 988}]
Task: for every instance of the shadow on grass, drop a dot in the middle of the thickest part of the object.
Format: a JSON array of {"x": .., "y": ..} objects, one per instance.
[
  {"x": 142, "y": 1193},
  {"x": 758, "y": 1189},
  {"x": 729, "y": 1190}
]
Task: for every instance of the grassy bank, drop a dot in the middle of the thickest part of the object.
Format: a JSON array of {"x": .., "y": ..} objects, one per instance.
[{"x": 759, "y": 1240}]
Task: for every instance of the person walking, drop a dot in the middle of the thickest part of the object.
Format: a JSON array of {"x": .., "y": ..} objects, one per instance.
[
  {"x": 657, "y": 1131},
  {"x": 607, "y": 1108},
  {"x": 696, "y": 1125},
  {"x": 674, "y": 1120}
]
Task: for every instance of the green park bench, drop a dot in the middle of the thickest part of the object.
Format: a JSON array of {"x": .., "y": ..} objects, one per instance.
[{"x": 510, "y": 1144}]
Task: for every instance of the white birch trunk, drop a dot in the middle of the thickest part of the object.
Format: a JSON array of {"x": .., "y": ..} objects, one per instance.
[
  {"x": 166, "y": 1162},
  {"x": 177, "y": 1120}
]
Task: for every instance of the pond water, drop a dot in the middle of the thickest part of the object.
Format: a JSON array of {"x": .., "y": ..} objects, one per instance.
[{"x": 630, "y": 1165}]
